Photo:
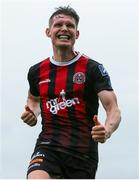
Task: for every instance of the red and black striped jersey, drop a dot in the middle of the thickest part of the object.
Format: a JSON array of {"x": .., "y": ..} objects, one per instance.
[{"x": 68, "y": 99}]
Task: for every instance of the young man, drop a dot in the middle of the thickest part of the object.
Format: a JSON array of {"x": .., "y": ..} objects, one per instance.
[{"x": 66, "y": 88}]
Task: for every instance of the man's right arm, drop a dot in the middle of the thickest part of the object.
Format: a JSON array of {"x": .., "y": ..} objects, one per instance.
[{"x": 32, "y": 110}]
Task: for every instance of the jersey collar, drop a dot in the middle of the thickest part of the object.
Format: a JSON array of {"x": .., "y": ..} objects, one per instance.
[{"x": 57, "y": 63}]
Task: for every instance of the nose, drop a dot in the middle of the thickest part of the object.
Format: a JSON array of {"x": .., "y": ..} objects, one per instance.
[{"x": 64, "y": 28}]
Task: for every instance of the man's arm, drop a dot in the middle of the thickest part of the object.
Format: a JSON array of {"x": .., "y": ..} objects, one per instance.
[
  {"x": 101, "y": 133},
  {"x": 32, "y": 110}
]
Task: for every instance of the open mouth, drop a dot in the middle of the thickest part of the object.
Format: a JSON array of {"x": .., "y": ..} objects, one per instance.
[{"x": 64, "y": 37}]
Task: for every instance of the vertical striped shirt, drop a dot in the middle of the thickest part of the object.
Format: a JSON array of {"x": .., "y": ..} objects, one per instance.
[{"x": 68, "y": 99}]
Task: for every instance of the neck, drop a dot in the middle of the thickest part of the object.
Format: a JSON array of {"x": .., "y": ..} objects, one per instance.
[{"x": 63, "y": 54}]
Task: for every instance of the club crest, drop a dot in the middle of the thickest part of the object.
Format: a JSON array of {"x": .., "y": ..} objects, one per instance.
[{"x": 79, "y": 78}]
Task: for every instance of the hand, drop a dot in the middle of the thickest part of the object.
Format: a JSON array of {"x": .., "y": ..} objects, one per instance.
[
  {"x": 99, "y": 133},
  {"x": 29, "y": 117}
]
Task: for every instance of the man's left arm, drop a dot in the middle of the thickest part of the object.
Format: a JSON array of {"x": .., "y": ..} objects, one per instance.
[{"x": 101, "y": 133}]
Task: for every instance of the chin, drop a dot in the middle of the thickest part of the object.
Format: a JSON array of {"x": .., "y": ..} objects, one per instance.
[{"x": 63, "y": 46}]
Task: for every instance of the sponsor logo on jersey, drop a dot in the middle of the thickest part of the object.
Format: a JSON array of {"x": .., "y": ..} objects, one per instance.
[
  {"x": 61, "y": 103},
  {"x": 102, "y": 70},
  {"x": 37, "y": 154},
  {"x": 45, "y": 81},
  {"x": 79, "y": 78}
]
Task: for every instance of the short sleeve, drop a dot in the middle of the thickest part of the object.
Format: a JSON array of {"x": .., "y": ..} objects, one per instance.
[
  {"x": 101, "y": 79},
  {"x": 33, "y": 81}
]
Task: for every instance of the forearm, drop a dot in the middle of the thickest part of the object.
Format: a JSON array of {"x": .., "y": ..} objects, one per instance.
[{"x": 112, "y": 121}]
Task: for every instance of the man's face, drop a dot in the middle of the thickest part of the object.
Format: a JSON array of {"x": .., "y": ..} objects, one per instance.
[{"x": 63, "y": 31}]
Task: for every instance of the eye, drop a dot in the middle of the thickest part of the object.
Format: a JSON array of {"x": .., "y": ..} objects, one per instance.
[
  {"x": 70, "y": 25},
  {"x": 57, "y": 25}
]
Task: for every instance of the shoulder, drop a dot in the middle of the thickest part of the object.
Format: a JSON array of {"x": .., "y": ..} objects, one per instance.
[
  {"x": 90, "y": 62},
  {"x": 95, "y": 69},
  {"x": 96, "y": 66},
  {"x": 93, "y": 66},
  {"x": 36, "y": 67}
]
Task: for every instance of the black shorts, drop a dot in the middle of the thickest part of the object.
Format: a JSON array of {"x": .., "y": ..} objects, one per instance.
[{"x": 62, "y": 165}]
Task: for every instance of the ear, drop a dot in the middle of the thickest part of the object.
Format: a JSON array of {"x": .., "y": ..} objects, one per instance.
[
  {"x": 77, "y": 34},
  {"x": 47, "y": 31}
]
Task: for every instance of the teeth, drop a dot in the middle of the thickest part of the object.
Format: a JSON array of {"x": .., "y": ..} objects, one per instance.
[{"x": 63, "y": 37}]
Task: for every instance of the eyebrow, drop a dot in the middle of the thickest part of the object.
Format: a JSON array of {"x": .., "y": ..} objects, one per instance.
[{"x": 59, "y": 17}]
